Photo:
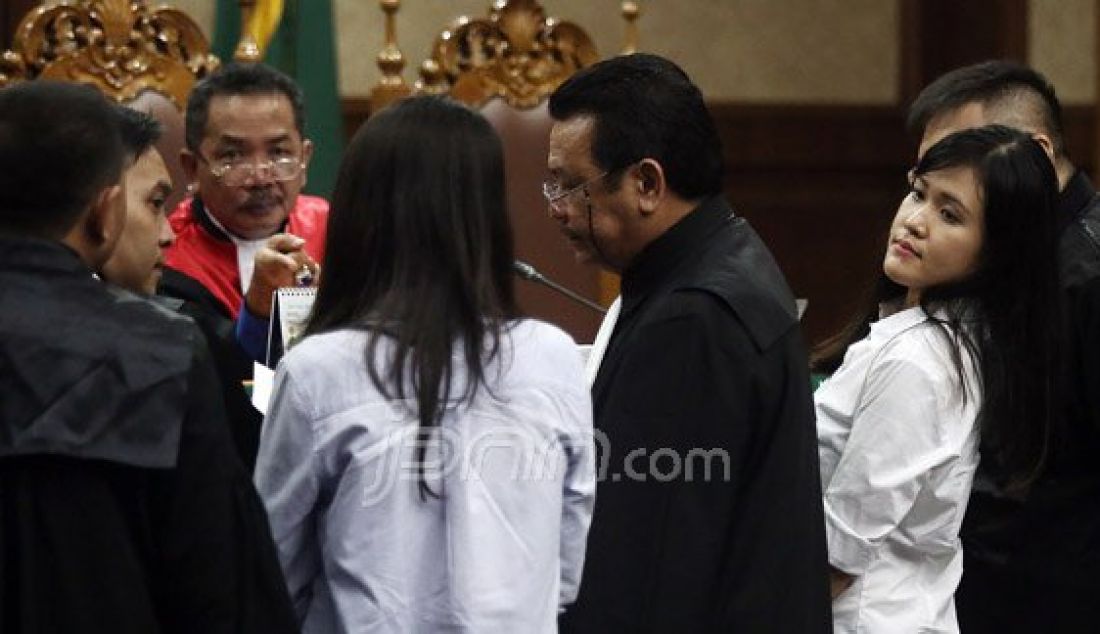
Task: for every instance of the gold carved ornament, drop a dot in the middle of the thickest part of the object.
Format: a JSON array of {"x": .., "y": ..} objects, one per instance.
[
  {"x": 516, "y": 54},
  {"x": 120, "y": 46}
]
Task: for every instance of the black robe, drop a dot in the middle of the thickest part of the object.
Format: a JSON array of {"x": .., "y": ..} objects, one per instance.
[
  {"x": 122, "y": 505},
  {"x": 706, "y": 360},
  {"x": 191, "y": 298}
]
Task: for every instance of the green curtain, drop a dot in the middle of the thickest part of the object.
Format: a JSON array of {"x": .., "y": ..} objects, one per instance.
[{"x": 304, "y": 47}]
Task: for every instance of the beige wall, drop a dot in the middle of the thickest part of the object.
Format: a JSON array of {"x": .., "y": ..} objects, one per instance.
[
  {"x": 750, "y": 50},
  {"x": 835, "y": 51},
  {"x": 1062, "y": 45}
]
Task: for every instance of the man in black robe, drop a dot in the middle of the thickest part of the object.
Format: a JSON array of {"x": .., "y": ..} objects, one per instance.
[
  {"x": 122, "y": 505},
  {"x": 708, "y": 511}
]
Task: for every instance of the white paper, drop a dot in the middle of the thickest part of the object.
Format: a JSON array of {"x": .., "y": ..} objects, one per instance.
[{"x": 263, "y": 378}]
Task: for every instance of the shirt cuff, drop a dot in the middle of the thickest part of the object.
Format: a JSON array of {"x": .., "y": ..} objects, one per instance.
[
  {"x": 252, "y": 333},
  {"x": 848, "y": 552}
]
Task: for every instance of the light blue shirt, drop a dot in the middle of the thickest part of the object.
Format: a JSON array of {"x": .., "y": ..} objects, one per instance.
[{"x": 501, "y": 549}]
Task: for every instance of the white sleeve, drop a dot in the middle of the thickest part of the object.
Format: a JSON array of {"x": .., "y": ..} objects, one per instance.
[
  {"x": 895, "y": 441},
  {"x": 287, "y": 481},
  {"x": 578, "y": 492}
]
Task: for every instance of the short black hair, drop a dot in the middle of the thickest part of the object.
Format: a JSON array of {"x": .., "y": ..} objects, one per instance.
[
  {"x": 645, "y": 106},
  {"x": 139, "y": 130},
  {"x": 994, "y": 84},
  {"x": 239, "y": 79},
  {"x": 60, "y": 145}
]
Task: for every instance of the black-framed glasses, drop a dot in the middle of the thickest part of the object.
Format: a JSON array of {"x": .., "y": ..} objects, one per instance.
[
  {"x": 235, "y": 174},
  {"x": 556, "y": 197}
]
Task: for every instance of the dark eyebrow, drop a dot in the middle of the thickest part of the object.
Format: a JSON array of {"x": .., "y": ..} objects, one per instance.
[
  {"x": 950, "y": 198},
  {"x": 232, "y": 140},
  {"x": 954, "y": 201},
  {"x": 162, "y": 187},
  {"x": 228, "y": 139}
]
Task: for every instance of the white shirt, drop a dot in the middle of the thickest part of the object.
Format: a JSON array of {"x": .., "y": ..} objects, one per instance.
[
  {"x": 898, "y": 450},
  {"x": 499, "y": 552},
  {"x": 246, "y": 253},
  {"x": 603, "y": 337}
]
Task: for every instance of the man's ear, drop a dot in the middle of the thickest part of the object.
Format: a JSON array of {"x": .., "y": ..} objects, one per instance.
[
  {"x": 95, "y": 234},
  {"x": 190, "y": 164},
  {"x": 649, "y": 178},
  {"x": 307, "y": 152},
  {"x": 106, "y": 219},
  {"x": 103, "y": 223},
  {"x": 307, "y": 155},
  {"x": 1046, "y": 143}
]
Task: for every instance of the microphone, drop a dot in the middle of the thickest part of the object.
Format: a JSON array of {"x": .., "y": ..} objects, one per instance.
[{"x": 530, "y": 273}]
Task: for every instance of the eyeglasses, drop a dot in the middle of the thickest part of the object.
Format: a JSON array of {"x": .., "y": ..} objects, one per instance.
[
  {"x": 235, "y": 174},
  {"x": 557, "y": 197}
]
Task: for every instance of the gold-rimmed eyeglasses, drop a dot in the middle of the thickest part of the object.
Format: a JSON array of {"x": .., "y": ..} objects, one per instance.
[
  {"x": 237, "y": 173},
  {"x": 556, "y": 196}
]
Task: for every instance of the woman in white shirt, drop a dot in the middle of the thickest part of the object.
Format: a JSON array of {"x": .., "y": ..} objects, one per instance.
[
  {"x": 427, "y": 460},
  {"x": 966, "y": 343}
]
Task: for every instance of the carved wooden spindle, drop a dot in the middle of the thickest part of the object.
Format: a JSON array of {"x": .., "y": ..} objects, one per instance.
[
  {"x": 247, "y": 48},
  {"x": 630, "y": 14},
  {"x": 391, "y": 86}
]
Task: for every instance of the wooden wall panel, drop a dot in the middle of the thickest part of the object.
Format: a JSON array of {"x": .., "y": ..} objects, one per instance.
[
  {"x": 939, "y": 35},
  {"x": 820, "y": 184}
]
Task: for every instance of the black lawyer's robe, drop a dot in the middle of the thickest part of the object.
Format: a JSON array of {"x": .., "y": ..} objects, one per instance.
[
  {"x": 122, "y": 505},
  {"x": 189, "y": 297},
  {"x": 706, "y": 355}
]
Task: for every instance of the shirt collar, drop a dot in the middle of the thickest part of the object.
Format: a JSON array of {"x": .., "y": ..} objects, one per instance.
[
  {"x": 660, "y": 257},
  {"x": 895, "y": 320},
  {"x": 216, "y": 228}
]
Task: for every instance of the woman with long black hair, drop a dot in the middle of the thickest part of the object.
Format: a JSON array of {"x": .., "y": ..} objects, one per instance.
[
  {"x": 427, "y": 459},
  {"x": 966, "y": 347}
]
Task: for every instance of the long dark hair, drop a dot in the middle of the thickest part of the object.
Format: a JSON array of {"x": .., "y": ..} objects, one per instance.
[
  {"x": 1007, "y": 314},
  {"x": 419, "y": 250}
]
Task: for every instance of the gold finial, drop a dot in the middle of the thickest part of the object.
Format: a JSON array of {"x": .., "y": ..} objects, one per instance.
[
  {"x": 391, "y": 62},
  {"x": 630, "y": 14},
  {"x": 247, "y": 49}
]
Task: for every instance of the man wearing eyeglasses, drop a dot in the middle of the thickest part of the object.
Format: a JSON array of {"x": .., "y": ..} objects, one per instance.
[
  {"x": 708, "y": 512},
  {"x": 247, "y": 230}
]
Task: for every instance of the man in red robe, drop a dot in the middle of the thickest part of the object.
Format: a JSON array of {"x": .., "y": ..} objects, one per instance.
[{"x": 246, "y": 230}]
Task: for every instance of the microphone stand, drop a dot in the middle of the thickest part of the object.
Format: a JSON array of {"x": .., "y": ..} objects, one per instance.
[{"x": 530, "y": 273}]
